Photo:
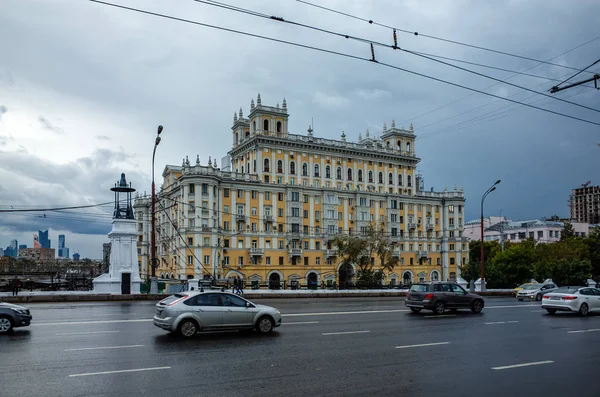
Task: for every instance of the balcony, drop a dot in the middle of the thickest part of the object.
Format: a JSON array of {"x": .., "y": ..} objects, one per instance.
[
  {"x": 429, "y": 226},
  {"x": 257, "y": 252},
  {"x": 412, "y": 225},
  {"x": 331, "y": 253},
  {"x": 240, "y": 218},
  {"x": 422, "y": 254},
  {"x": 295, "y": 251},
  {"x": 396, "y": 253},
  {"x": 206, "y": 229},
  {"x": 268, "y": 218}
]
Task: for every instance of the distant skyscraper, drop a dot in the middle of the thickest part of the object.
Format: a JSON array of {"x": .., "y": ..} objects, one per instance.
[
  {"x": 43, "y": 239},
  {"x": 76, "y": 257},
  {"x": 22, "y": 246},
  {"x": 14, "y": 244},
  {"x": 12, "y": 250},
  {"x": 63, "y": 252}
]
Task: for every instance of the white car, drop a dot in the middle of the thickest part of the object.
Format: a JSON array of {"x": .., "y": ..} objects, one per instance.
[
  {"x": 572, "y": 299},
  {"x": 536, "y": 291}
]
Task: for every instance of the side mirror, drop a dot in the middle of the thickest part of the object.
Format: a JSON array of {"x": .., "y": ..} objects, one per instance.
[{"x": 248, "y": 305}]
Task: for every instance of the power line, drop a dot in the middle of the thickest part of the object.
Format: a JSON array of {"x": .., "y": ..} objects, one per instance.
[
  {"x": 576, "y": 74},
  {"x": 393, "y": 47},
  {"x": 339, "y": 54},
  {"x": 55, "y": 209},
  {"x": 370, "y": 21}
]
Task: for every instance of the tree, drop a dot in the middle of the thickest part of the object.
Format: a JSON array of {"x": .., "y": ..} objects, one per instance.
[
  {"x": 593, "y": 242},
  {"x": 365, "y": 252},
  {"x": 470, "y": 271},
  {"x": 567, "y": 232},
  {"x": 512, "y": 267}
]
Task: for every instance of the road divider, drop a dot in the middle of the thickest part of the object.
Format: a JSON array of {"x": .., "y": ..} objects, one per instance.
[
  {"x": 522, "y": 365},
  {"x": 122, "y": 371},
  {"x": 422, "y": 345}
]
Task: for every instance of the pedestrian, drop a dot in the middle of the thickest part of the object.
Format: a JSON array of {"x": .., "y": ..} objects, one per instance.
[
  {"x": 240, "y": 286},
  {"x": 235, "y": 285},
  {"x": 16, "y": 283}
]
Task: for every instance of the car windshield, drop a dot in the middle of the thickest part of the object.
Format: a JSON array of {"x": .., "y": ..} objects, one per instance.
[
  {"x": 528, "y": 286},
  {"x": 566, "y": 290},
  {"x": 418, "y": 288}
]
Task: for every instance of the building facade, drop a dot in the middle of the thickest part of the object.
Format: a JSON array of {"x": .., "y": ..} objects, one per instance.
[
  {"x": 63, "y": 252},
  {"x": 43, "y": 239},
  {"x": 273, "y": 217},
  {"x": 37, "y": 254},
  {"x": 500, "y": 229},
  {"x": 584, "y": 203}
]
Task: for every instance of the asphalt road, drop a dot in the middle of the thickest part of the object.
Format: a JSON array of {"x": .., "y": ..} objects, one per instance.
[{"x": 333, "y": 347}]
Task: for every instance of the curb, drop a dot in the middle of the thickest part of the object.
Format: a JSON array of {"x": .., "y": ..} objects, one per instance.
[{"x": 248, "y": 295}]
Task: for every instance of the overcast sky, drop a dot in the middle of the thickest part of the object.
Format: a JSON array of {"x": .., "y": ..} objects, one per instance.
[{"x": 83, "y": 87}]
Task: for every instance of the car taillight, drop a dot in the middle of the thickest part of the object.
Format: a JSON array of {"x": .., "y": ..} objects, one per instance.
[
  {"x": 546, "y": 296},
  {"x": 428, "y": 297},
  {"x": 407, "y": 295},
  {"x": 568, "y": 298}
]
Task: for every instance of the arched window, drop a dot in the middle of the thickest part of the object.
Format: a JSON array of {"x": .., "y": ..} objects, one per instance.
[
  {"x": 435, "y": 276},
  {"x": 409, "y": 181},
  {"x": 399, "y": 145},
  {"x": 328, "y": 172},
  {"x": 254, "y": 165},
  {"x": 408, "y": 147},
  {"x": 349, "y": 174},
  {"x": 339, "y": 173},
  {"x": 360, "y": 175},
  {"x": 279, "y": 166},
  {"x": 266, "y": 125},
  {"x": 391, "y": 179},
  {"x": 279, "y": 126},
  {"x": 242, "y": 169},
  {"x": 266, "y": 166},
  {"x": 316, "y": 170},
  {"x": 381, "y": 177},
  {"x": 370, "y": 176},
  {"x": 387, "y": 144},
  {"x": 247, "y": 133},
  {"x": 254, "y": 126},
  {"x": 292, "y": 168},
  {"x": 304, "y": 169},
  {"x": 237, "y": 138},
  {"x": 399, "y": 179}
]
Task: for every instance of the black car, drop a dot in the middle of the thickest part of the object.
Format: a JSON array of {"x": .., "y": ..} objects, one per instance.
[
  {"x": 439, "y": 296},
  {"x": 13, "y": 316}
]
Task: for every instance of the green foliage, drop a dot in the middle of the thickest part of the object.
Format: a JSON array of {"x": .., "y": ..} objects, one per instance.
[{"x": 567, "y": 232}]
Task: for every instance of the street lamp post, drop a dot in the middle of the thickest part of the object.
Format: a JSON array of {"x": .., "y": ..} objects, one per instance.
[
  {"x": 154, "y": 259},
  {"x": 491, "y": 189}
]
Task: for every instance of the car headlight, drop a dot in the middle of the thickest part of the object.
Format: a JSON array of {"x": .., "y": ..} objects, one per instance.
[
  {"x": 21, "y": 311},
  {"x": 278, "y": 312}
]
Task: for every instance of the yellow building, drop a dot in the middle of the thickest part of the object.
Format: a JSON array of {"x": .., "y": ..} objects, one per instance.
[{"x": 272, "y": 216}]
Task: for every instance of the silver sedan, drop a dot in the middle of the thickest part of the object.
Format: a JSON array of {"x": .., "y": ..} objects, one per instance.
[
  {"x": 582, "y": 300},
  {"x": 191, "y": 312}
]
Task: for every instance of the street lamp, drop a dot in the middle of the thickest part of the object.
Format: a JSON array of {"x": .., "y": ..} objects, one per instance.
[
  {"x": 154, "y": 259},
  {"x": 491, "y": 189}
]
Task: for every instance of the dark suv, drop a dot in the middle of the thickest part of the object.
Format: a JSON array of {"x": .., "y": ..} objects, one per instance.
[{"x": 439, "y": 296}]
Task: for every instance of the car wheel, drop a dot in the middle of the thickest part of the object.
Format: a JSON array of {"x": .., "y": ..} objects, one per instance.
[
  {"x": 584, "y": 309},
  {"x": 265, "y": 325},
  {"x": 415, "y": 309},
  {"x": 6, "y": 325},
  {"x": 439, "y": 307},
  {"x": 477, "y": 306},
  {"x": 187, "y": 328},
  {"x": 551, "y": 311},
  {"x": 538, "y": 297}
]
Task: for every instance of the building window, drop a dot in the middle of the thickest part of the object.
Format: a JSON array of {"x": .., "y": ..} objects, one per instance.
[
  {"x": 391, "y": 179},
  {"x": 190, "y": 241},
  {"x": 279, "y": 126},
  {"x": 349, "y": 174},
  {"x": 409, "y": 181},
  {"x": 304, "y": 169},
  {"x": 206, "y": 259},
  {"x": 399, "y": 179},
  {"x": 279, "y": 166},
  {"x": 360, "y": 175},
  {"x": 191, "y": 188},
  {"x": 266, "y": 165},
  {"x": 281, "y": 261},
  {"x": 266, "y": 125},
  {"x": 317, "y": 170},
  {"x": 339, "y": 173},
  {"x": 381, "y": 177},
  {"x": 293, "y": 168}
]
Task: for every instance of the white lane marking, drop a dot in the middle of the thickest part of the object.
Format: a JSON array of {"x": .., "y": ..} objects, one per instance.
[
  {"x": 344, "y": 333},
  {"x": 139, "y": 320},
  {"x": 341, "y": 313},
  {"x": 583, "y": 330},
  {"x": 102, "y": 348},
  {"x": 501, "y": 322},
  {"x": 422, "y": 345},
  {"x": 119, "y": 372},
  {"x": 509, "y": 306},
  {"x": 440, "y": 315},
  {"x": 85, "y": 333},
  {"x": 523, "y": 365},
  {"x": 301, "y": 323}
]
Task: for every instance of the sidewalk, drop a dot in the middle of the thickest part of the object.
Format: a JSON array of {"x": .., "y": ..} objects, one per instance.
[{"x": 90, "y": 296}]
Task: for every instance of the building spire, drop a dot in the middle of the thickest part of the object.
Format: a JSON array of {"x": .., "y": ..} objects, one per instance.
[
  {"x": 252, "y": 103},
  {"x": 258, "y": 100},
  {"x": 384, "y": 127},
  {"x": 241, "y": 114},
  {"x": 197, "y": 159},
  {"x": 284, "y": 104},
  {"x": 393, "y": 123},
  {"x": 234, "y": 117},
  {"x": 411, "y": 128}
]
